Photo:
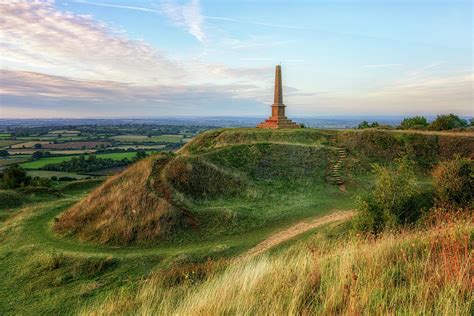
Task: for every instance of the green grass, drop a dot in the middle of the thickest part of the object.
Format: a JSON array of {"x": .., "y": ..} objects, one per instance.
[
  {"x": 53, "y": 160},
  {"x": 49, "y": 174},
  {"x": 144, "y": 138}
]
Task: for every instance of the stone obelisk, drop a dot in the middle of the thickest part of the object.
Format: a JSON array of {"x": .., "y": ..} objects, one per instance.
[{"x": 278, "y": 118}]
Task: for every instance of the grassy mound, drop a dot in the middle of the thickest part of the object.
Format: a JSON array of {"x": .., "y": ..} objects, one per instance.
[{"x": 125, "y": 209}]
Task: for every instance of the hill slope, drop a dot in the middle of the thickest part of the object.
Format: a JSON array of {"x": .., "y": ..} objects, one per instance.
[{"x": 231, "y": 182}]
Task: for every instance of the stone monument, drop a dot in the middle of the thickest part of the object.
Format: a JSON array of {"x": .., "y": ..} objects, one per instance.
[{"x": 278, "y": 118}]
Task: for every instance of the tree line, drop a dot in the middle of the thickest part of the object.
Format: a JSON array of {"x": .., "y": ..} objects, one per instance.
[{"x": 441, "y": 123}]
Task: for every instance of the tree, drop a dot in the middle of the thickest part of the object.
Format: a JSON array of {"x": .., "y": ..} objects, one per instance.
[
  {"x": 363, "y": 125},
  {"x": 454, "y": 183},
  {"x": 447, "y": 122},
  {"x": 37, "y": 155},
  {"x": 366, "y": 124},
  {"x": 38, "y": 146},
  {"x": 140, "y": 155},
  {"x": 395, "y": 199},
  {"x": 15, "y": 177},
  {"x": 4, "y": 153},
  {"x": 416, "y": 122}
]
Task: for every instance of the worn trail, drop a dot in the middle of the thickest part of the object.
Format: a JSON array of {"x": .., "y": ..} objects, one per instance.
[{"x": 294, "y": 231}]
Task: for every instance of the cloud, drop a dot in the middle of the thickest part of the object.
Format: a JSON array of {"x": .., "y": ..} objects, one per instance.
[
  {"x": 433, "y": 95},
  {"x": 35, "y": 36},
  {"x": 383, "y": 65},
  {"x": 21, "y": 89},
  {"x": 187, "y": 16}
]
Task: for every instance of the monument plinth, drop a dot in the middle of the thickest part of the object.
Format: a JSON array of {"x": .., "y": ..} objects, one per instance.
[{"x": 278, "y": 118}]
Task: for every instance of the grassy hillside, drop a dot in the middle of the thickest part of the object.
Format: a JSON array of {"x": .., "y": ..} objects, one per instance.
[
  {"x": 164, "y": 236},
  {"x": 237, "y": 174},
  {"x": 417, "y": 272}
]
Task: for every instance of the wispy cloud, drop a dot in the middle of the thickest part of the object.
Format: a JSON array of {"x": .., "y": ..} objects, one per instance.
[
  {"x": 45, "y": 92},
  {"x": 118, "y": 6},
  {"x": 187, "y": 16},
  {"x": 36, "y": 36},
  {"x": 383, "y": 65}
]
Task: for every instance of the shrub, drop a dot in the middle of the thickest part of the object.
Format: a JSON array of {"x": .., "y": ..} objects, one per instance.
[
  {"x": 416, "y": 122},
  {"x": 15, "y": 177},
  {"x": 454, "y": 182},
  {"x": 447, "y": 122},
  {"x": 365, "y": 124},
  {"x": 395, "y": 199},
  {"x": 9, "y": 199}
]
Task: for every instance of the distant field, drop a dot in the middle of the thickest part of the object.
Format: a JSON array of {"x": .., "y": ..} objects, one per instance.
[
  {"x": 5, "y": 135},
  {"x": 77, "y": 145},
  {"x": 53, "y": 160},
  {"x": 65, "y": 132},
  {"x": 8, "y": 142},
  {"x": 144, "y": 138},
  {"x": 132, "y": 146},
  {"x": 10, "y": 161},
  {"x": 29, "y": 144},
  {"x": 49, "y": 174}
]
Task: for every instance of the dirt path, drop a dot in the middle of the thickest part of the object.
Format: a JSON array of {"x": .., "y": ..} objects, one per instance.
[{"x": 294, "y": 231}]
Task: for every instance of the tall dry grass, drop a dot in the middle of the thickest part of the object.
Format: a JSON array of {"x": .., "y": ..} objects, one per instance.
[
  {"x": 427, "y": 271},
  {"x": 125, "y": 209}
]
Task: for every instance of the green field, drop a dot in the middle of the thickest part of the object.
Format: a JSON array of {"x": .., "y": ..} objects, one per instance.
[
  {"x": 144, "y": 138},
  {"x": 53, "y": 160},
  {"x": 49, "y": 174}
]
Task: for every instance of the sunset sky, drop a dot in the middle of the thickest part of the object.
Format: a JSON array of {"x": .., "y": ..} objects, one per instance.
[{"x": 216, "y": 58}]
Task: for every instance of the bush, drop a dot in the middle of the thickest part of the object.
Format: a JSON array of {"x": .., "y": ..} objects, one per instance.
[
  {"x": 454, "y": 183},
  {"x": 416, "y": 122},
  {"x": 9, "y": 199},
  {"x": 15, "y": 177},
  {"x": 365, "y": 124},
  {"x": 447, "y": 122},
  {"x": 395, "y": 199}
]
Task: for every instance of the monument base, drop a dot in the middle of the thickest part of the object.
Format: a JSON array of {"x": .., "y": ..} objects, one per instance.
[{"x": 278, "y": 122}]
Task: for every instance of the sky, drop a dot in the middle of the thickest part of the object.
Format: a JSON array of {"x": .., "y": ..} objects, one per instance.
[{"x": 102, "y": 58}]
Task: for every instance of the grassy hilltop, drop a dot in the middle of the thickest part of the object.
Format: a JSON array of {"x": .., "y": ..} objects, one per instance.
[{"x": 162, "y": 236}]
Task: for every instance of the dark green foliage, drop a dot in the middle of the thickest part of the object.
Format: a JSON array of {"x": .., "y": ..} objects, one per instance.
[
  {"x": 454, "y": 183},
  {"x": 10, "y": 199},
  {"x": 81, "y": 164},
  {"x": 41, "y": 182},
  {"x": 140, "y": 154},
  {"x": 421, "y": 149},
  {"x": 15, "y": 177},
  {"x": 394, "y": 200},
  {"x": 365, "y": 124},
  {"x": 4, "y": 153},
  {"x": 37, "y": 155},
  {"x": 447, "y": 122},
  {"x": 416, "y": 122}
]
